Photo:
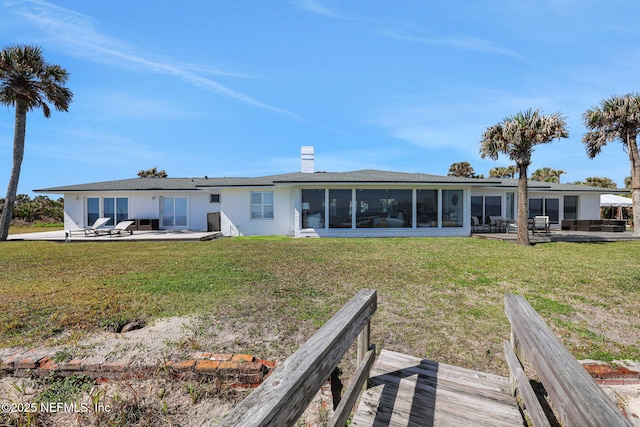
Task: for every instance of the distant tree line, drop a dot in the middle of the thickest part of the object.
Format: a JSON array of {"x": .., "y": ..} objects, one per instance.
[
  {"x": 465, "y": 170},
  {"x": 39, "y": 209}
]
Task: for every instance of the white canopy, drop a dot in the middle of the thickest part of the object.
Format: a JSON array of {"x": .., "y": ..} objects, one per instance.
[{"x": 616, "y": 201}]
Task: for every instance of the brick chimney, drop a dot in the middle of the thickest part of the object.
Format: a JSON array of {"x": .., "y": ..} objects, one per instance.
[{"x": 307, "y": 158}]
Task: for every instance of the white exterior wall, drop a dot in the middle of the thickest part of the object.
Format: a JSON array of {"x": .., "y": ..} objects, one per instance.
[
  {"x": 589, "y": 206},
  {"x": 74, "y": 211},
  {"x": 236, "y": 213}
]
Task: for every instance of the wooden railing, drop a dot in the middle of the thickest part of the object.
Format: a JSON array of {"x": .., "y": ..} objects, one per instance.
[
  {"x": 575, "y": 396},
  {"x": 286, "y": 393}
]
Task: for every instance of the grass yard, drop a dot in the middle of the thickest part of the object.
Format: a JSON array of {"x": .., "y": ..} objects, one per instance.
[{"x": 439, "y": 298}]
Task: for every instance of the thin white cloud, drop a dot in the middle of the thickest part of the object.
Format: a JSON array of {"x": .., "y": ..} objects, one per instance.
[
  {"x": 137, "y": 107},
  {"x": 314, "y": 7},
  {"x": 474, "y": 44},
  {"x": 78, "y": 33},
  {"x": 92, "y": 148}
]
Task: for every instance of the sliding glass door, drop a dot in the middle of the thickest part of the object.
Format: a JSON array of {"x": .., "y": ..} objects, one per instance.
[{"x": 174, "y": 212}]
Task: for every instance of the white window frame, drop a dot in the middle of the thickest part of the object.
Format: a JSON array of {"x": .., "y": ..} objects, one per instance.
[{"x": 260, "y": 211}]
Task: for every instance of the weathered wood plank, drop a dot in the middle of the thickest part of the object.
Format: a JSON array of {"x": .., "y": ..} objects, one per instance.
[
  {"x": 342, "y": 412},
  {"x": 580, "y": 402},
  {"x": 446, "y": 376},
  {"x": 406, "y": 390},
  {"x": 286, "y": 393},
  {"x": 533, "y": 407}
]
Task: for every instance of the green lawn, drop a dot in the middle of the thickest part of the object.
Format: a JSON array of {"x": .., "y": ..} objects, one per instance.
[{"x": 440, "y": 298}]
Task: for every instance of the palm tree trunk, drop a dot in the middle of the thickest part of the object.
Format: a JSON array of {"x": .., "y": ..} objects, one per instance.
[
  {"x": 523, "y": 208},
  {"x": 634, "y": 157},
  {"x": 18, "y": 154}
]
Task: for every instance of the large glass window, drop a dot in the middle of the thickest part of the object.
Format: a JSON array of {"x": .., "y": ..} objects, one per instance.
[
  {"x": 493, "y": 206},
  {"x": 549, "y": 207},
  {"x": 535, "y": 207},
  {"x": 552, "y": 210},
  {"x": 109, "y": 208},
  {"x": 570, "y": 207},
  {"x": 93, "y": 210},
  {"x": 383, "y": 208},
  {"x": 313, "y": 208},
  {"x": 116, "y": 208},
  {"x": 262, "y": 205},
  {"x": 174, "y": 211},
  {"x": 452, "y": 208},
  {"x": 427, "y": 208},
  {"x": 482, "y": 207},
  {"x": 477, "y": 208},
  {"x": 339, "y": 208}
]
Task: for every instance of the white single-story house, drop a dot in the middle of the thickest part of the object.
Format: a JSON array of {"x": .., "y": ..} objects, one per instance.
[{"x": 363, "y": 203}]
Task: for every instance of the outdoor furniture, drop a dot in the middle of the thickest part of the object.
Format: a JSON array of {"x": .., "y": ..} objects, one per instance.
[
  {"x": 613, "y": 225},
  {"x": 476, "y": 226},
  {"x": 495, "y": 222},
  {"x": 540, "y": 223},
  {"x": 569, "y": 224},
  {"x": 90, "y": 231},
  {"x": 512, "y": 227},
  {"x": 120, "y": 229},
  {"x": 147, "y": 224}
]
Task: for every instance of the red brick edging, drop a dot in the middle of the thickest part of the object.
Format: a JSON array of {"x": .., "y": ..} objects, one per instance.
[
  {"x": 604, "y": 374},
  {"x": 239, "y": 370}
]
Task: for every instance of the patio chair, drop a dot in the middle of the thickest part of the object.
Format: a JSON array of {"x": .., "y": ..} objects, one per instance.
[
  {"x": 540, "y": 223},
  {"x": 90, "y": 231},
  {"x": 496, "y": 222},
  {"x": 121, "y": 228},
  {"x": 476, "y": 226}
]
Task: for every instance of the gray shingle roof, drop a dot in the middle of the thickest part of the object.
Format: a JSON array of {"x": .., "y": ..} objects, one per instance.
[{"x": 360, "y": 176}]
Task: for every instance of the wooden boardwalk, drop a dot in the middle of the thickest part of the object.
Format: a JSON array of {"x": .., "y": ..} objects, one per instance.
[{"x": 409, "y": 391}]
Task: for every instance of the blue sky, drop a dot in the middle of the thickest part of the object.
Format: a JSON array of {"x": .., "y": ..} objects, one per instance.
[{"x": 235, "y": 88}]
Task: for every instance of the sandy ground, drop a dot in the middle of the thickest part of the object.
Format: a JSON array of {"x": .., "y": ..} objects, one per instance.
[{"x": 159, "y": 399}]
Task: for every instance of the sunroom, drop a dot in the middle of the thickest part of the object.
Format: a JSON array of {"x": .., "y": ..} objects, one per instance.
[{"x": 360, "y": 210}]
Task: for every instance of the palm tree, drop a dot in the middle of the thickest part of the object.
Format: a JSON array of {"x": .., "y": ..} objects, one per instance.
[
  {"x": 503, "y": 172},
  {"x": 617, "y": 119},
  {"x": 597, "y": 181},
  {"x": 516, "y": 136},
  {"x": 462, "y": 169},
  {"x": 27, "y": 82},
  {"x": 547, "y": 175},
  {"x": 627, "y": 182},
  {"x": 152, "y": 173}
]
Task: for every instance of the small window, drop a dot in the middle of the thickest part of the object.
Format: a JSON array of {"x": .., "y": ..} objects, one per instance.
[
  {"x": 262, "y": 205},
  {"x": 214, "y": 198}
]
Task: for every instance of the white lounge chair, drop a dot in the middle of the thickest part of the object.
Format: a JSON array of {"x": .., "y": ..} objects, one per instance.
[
  {"x": 121, "y": 228},
  {"x": 90, "y": 231}
]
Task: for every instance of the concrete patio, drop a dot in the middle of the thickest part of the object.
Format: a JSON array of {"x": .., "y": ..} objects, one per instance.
[
  {"x": 61, "y": 236},
  {"x": 558, "y": 235}
]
